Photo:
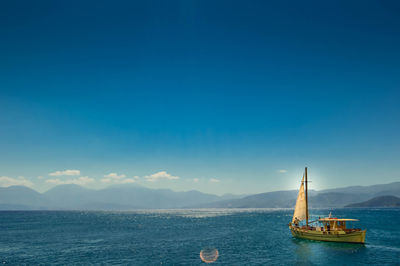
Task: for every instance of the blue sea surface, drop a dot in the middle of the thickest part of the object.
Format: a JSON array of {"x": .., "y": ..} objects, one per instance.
[{"x": 176, "y": 237}]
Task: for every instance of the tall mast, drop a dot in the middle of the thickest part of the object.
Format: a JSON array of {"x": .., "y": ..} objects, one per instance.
[{"x": 306, "y": 197}]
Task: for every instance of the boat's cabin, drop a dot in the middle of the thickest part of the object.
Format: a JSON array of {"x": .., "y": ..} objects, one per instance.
[{"x": 334, "y": 224}]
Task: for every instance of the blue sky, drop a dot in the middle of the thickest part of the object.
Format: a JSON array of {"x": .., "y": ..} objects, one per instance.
[{"x": 227, "y": 96}]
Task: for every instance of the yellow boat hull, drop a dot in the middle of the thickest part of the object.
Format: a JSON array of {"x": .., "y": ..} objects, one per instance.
[{"x": 332, "y": 236}]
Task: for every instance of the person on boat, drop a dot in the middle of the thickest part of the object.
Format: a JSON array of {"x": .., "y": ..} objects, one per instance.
[{"x": 296, "y": 222}]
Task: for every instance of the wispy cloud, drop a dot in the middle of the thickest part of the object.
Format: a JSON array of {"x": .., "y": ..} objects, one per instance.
[
  {"x": 114, "y": 178},
  {"x": 163, "y": 175},
  {"x": 6, "y": 181},
  {"x": 118, "y": 181},
  {"x": 214, "y": 180},
  {"x": 282, "y": 171},
  {"x": 83, "y": 180},
  {"x": 196, "y": 180},
  {"x": 128, "y": 180},
  {"x": 65, "y": 172}
]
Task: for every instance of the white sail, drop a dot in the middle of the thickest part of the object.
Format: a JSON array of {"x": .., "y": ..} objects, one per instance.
[{"x": 300, "y": 209}]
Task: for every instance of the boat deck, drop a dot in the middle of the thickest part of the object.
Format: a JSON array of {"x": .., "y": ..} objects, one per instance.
[{"x": 312, "y": 233}]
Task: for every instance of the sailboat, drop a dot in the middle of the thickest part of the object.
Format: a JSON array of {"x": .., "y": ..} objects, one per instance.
[{"x": 323, "y": 229}]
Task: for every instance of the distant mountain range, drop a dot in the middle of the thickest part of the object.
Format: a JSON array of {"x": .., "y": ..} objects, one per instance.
[
  {"x": 330, "y": 198},
  {"x": 130, "y": 197},
  {"x": 126, "y": 197},
  {"x": 382, "y": 201}
]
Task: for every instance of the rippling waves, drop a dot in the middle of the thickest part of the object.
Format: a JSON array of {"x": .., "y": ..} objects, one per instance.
[{"x": 176, "y": 237}]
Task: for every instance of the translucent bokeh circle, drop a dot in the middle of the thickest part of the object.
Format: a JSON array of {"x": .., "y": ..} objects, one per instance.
[{"x": 209, "y": 255}]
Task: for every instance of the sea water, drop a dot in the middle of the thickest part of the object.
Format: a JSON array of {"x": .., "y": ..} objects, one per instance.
[{"x": 176, "y": 237}]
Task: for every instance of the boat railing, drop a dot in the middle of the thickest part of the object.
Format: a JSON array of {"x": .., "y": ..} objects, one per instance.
[{"x": 350, "y": 230}]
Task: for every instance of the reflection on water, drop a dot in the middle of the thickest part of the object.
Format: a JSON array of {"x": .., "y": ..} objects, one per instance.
[
  {"x": 308, "y": 251},
  {"x": 303, "y": 250}
]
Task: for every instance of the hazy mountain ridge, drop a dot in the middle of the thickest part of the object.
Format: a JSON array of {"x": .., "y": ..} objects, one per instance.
[
  {"x": 378, "y": 202},
  {"x": 330, "y": 198},
  {"x": 20, "y": 197},
  {"x": 374, "y": 189},
  {"x": 129, "y": 197}
]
